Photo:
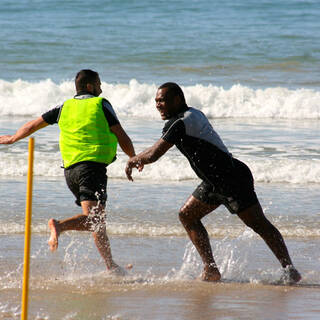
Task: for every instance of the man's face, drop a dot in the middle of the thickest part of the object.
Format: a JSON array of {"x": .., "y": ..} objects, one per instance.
[
  {"x": 95, "y": 88},
  {"x": 166, "y": 105}
]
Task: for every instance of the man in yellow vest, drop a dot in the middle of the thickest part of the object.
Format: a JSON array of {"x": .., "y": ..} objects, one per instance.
[{"x": 89, "y": 133}]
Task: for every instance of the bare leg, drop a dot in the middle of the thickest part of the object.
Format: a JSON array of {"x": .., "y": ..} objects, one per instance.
[
  {"x": 78, "y": 222},
  {"x": 254, "y": 218},
  {"x": 190, "y": 216},
  {"x": 54, "y": 234},
  {"x": 100, "y": 234},
  {"x": 103, "y": 245},
  {"x": 83, "y": 222}
]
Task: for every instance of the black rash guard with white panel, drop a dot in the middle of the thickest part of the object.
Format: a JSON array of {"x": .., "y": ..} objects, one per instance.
[{"x": 225, "y": 179}]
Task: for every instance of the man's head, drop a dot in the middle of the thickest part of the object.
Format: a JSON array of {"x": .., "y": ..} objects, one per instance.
[
  {"x": 169, "y": 100},
  {"x": 88, "y": 81}
]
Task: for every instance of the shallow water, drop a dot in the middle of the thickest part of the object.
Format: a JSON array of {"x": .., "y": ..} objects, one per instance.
[
  {"x": 72, "y": 283},
  {"x": 144, "y": 230}
]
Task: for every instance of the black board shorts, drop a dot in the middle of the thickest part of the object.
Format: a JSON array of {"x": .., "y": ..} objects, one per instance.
[
  {"x": 87, "y": 181},
  {"x": 236, "y": 193}
]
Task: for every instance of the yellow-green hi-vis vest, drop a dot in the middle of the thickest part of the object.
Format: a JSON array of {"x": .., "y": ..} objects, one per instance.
[{"x": 84, "y": 132}]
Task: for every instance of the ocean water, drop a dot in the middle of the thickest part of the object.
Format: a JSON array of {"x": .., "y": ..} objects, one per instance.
[
  {"x": 252, "y": 67},
  {"x": 254, "y": 43}
]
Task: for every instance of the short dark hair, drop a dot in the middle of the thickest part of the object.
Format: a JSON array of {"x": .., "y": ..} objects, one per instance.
[
  {"x": 173, "y": 90},
  {"x": 84, "y": 77}
]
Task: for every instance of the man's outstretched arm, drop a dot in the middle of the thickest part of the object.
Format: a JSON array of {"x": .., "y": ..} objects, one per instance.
[
  {"x": 149, "y": 155},
  {"x": 124, "y": 140},
  {"x": 24, "y": 131}
]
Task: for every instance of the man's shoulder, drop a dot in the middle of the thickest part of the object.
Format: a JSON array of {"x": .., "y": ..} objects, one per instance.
[
  {"x": 170, "y": 122},
  {"x": 106, "y": 103},
  {"x": 192, "y": 111},
  {"x": 52, "y": 116},
  {"x": 193, "y": 115}
]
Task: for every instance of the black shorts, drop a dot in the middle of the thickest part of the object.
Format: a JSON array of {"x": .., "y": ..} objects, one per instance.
[
  {"x": 236, "y": 193},
  {"x": 87, "y": 181}
]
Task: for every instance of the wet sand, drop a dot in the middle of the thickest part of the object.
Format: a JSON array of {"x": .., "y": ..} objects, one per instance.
[
  {"x": 138, "y": 299},
  {"x": 72, "y": 283}
]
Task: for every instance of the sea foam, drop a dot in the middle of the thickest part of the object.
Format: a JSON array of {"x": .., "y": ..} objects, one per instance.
[
  {"x": 134, "y": 99},
  {"x": 303, "y": 230},
  {"x": 168, "y": 168}
]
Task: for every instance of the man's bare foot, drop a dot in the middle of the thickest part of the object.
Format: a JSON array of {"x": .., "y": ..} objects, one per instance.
[
  {"x": 119, "y": 271},
  {"x": 291, "y": 275},
  {"x": 53, "y": 240},
  {"x": 211, "y": 273}
]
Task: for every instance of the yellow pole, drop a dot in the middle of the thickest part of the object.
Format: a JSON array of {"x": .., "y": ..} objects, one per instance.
[{"x": 27, "y": 234}]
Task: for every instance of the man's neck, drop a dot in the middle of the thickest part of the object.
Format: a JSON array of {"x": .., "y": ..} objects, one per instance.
[
  {"x": 183, "y": 108},
  {"x": 82, "y": 93}
]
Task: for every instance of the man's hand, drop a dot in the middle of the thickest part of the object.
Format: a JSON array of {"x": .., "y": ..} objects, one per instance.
[
  {"x": 133, "y": 162},
  {"x": 149, "y": 155},
  {"x": 7, "y": 139}
]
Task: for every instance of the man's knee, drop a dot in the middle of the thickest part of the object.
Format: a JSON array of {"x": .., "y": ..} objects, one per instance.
[
  {"x": 183, "y": 217},
  {"x": 186, "y": 218}
]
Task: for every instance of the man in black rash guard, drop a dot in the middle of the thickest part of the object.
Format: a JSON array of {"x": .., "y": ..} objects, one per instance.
[{"x": 225, "y": 180}]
